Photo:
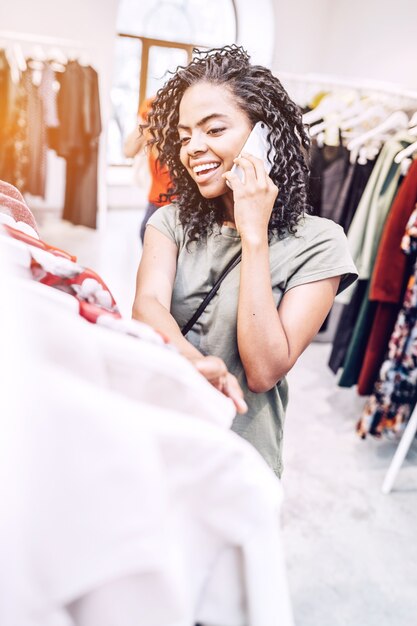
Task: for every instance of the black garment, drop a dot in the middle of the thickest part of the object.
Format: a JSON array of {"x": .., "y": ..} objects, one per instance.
[
  {"x": 329, "y": 168},
  {"x": 346, "y": 326},
  {"x": 77, "y": 141},
  {"x": 334, "y": 181}
]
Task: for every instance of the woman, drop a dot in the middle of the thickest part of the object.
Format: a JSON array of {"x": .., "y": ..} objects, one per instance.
[
  {"x": 272, "y": 304},
  {"x": 160, "y": 180}
]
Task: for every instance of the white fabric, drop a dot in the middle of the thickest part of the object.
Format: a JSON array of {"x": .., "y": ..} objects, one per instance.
[
  {"x": 138, "y": 369},
  {"x": 109, "y": 499},
  {"x": 22, "y": 226},
  {"x": 114, "y": 489}
]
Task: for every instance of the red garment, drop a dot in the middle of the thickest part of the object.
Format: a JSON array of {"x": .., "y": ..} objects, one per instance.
[
  {"x": 160, "y": 178},
  {"x": 59, "y": 270},
  {"x": 387, "y": 281},
  {"x": 37, "y": 243},
  {"x": 390, "y": 264}
]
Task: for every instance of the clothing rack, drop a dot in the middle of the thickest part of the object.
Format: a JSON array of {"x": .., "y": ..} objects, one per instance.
[
  {"x": 72, "y": 46},
  {"x": 396, "y": 92},
  {"x": 42, "y": 40},
  {"x": 73, "y": 49},
  {"x": 398, "y": 97}
]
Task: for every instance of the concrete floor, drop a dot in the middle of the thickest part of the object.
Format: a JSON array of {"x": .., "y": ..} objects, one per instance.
[{"x": 351, "y": 551}]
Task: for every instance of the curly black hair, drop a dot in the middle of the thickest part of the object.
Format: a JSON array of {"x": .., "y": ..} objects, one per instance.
[{"x": 262, "y": 97}]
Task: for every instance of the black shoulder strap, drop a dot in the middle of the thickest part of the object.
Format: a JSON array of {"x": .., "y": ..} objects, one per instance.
[{"x": 209, "y": 296}]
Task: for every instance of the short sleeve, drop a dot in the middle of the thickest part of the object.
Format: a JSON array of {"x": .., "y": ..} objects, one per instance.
[
  {"x": 322, "y": 252},
  {"x": 166, "y": 221}
]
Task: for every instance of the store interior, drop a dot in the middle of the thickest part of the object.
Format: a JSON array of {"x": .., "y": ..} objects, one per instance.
[{"x": 348, "y": 514}]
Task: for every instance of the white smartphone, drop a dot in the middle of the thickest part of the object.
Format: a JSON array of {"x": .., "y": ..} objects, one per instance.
[{"x": 257, "y": 145}]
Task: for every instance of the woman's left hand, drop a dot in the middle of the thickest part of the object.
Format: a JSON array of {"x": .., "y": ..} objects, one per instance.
[
  {"x": 254, "y": 199},
  {"x": 215, "y": 371}
]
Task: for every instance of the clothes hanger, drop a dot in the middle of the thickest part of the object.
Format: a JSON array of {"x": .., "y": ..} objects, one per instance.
[
  {"x": 370, "y": 113},
  {"x": 354, "y": 109},
  {"x": 408, "y": 151},
  {"x": 396, "y": 121},
  {"x": 331, "y": 103},
  {"x": 19, "y": 56},
  {"x": 413, "y": 120}
]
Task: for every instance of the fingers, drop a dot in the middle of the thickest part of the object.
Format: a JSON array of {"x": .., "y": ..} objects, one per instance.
[
  {"x": 211, "y": 367},
  {"x": 231, "y": 180},
  {"x": 215, "y": 371},
  {"x": 233, "y": 391},
  {"x": 251, "y": 164}
]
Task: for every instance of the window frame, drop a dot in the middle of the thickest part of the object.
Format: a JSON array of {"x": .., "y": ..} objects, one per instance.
[{"x": 147, "y": 44}]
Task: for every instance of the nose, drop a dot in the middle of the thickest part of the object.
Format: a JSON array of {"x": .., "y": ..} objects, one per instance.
[{"x": 197, "y": 144}]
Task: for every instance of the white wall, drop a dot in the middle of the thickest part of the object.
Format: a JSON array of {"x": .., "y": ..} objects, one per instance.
[
  {"x": 373, "y": 39},
  {"x": 366, "y": 39},
  {"x": 298, "y": 34},
  {"x": 256, "y": 29},
  {"x": 92, "y": 23}
]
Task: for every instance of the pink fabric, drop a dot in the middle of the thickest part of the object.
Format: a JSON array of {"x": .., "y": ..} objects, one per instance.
[{"x": 12, "y": 203}]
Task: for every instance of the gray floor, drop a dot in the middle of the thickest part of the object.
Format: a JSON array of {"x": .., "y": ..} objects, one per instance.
[{"x": 351, "y": 551}]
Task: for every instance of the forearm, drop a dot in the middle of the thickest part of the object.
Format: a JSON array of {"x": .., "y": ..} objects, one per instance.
[
  {"x": 263, "y": 345},
  {"x": 147, "y": 309},
  {"x": 133, "y": 144}
]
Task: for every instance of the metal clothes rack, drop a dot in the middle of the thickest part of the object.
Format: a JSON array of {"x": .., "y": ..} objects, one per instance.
[{"x": 400, "y": 97}]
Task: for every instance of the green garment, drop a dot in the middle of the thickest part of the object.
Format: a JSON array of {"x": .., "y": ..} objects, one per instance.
[
  {"x": 366, "y": 228},
  {"x": 318, "y": 251}
]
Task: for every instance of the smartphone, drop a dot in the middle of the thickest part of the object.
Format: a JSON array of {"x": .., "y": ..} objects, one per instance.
[{"x": 257, "y": 145}]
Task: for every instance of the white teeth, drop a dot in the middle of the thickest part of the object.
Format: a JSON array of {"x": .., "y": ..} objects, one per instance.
[{"x": 205, "y": 166}]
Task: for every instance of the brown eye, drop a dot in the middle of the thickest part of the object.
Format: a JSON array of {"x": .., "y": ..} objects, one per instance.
[{"x": 215, "y": 131}]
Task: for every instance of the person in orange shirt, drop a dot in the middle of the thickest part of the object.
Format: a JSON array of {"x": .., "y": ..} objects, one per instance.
[{"x": 160, "y": 179}]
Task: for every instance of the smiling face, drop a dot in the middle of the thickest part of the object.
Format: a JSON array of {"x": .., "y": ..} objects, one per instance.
[{"x": 212, "y": 130}]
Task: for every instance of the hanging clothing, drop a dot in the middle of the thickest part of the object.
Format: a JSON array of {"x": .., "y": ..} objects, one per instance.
[
  {"x": 352, "y": 191},
  {"x": 345, "y": 327},
  {"x": 363, "y": 237},
  {"x": 329, "y": 166},
  {"x": 367, "y": 225},
  {"x": 14, "y": 157},
  {"x": 395, "y": 391},
  {"x": 35, "y": 138},
  {"x": 78, "y": 140},
  {"x": 335, "y": 184},
  {"x": 388, "y": 280},
  {"x": 5, "y": 86}
]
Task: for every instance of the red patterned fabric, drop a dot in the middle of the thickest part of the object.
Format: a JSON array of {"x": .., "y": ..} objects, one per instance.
[{"x": 12, "y": 203}]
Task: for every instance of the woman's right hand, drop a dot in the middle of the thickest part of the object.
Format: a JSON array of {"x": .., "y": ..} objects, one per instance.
[{"x": 216, "y": 372}]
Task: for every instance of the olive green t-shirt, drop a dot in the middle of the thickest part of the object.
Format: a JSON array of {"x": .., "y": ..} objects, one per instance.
[{"x": 318, "y": 251}]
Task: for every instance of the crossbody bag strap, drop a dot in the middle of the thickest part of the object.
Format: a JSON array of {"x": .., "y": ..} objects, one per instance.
[{"x": 211, "y": 294}]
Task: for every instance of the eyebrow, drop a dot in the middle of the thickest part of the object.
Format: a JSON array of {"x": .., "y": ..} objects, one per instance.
[{"x": 203, "y": 121}]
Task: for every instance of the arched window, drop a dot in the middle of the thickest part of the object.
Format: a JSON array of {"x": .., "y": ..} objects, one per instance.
[{"x": 154, "y": 37}]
